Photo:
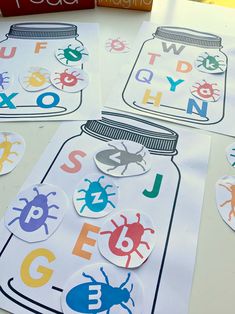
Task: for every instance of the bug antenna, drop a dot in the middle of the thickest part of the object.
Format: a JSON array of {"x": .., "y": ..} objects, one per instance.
[
  {"x": 138, "y": 216},
  {"x": 87, "y": 180},
  {"x": 126, "y": 281},
  {"x": 132, "y": 301},
  {"x": 101, "y": 177},
  {"x": 36, "y": 190},
  {"x": 51, "y": 193},
  {"x": 131, "y": 288}
]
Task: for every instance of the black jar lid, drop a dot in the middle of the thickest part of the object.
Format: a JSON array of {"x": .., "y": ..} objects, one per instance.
[
  {"x": 158, "y": 139},
  {"x": 188, "y": 36},
  {"x": 42, "y": 31}
]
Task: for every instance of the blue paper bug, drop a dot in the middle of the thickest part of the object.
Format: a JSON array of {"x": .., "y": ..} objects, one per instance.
[
  {"x": 96, "y": 197},
  {"x": 95, "y": 297}
]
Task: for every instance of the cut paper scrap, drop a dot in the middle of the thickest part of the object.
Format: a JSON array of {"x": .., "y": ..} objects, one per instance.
[
  {"x": 35, "y": 79},
  {"x": 102, "y": 288},
  {"x": 213, "y": 64},
  {"x": 72, "y": 55},
  {"x": 127, "y": 239},
  {"x": 12, "y": 147},
  {"x": 225, "y": 3},
  {"x": 225, "y": 199},
  {"x": 5, "y": 79},
  {"x": 205, "y": 90},
  {"x": 122, "y": 158},
  {"x": 230, "y": 153},
  {"x": 36, "y": 212},
  {"x": 117, "y": 45},
  {"x": 70, "y": 80},
  {"x": 96, "y": 196}
]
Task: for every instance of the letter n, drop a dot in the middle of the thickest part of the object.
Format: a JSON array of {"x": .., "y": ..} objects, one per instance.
[{"x": 193, "y": 105}]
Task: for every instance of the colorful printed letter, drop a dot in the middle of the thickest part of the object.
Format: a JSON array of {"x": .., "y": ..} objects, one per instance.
[
  {"x": 54, "y": 103},
  {"x": 6, "y": 100},
  {"x": 144, "y": 76},
  {"x": 202, "y": 111},
  {"x": 153, "y": 57},
  {"x": 152, "y": 99},
  {"x": 3, "y": 55},
  {"x": 173, "y": 47},
  {"x": 184, "y": 67},
  {"x": 39, "y": 46},
  {"x": 84, "y": 239},
  {"x": 156, "y": 187},
  {"x": 77, "y": 165},
  {"x": 173, "y": 83},
  {"x": 45, "y": 272}
]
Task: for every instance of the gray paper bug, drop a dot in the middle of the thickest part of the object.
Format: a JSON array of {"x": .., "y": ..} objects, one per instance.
[{"x": 120, "y": 158}]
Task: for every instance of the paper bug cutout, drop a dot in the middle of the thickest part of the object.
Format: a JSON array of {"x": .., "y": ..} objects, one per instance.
[
  {"x": 72, "y": 55},
  {"x": 117, "y": 45},
  {"x": 36, "y": 208},
  {"x": 126, "y": 240},
  {"x": 70, "y": 80},
  {"x": 123, "y": 158},
  {"x": 5, "y": 80},
  {"x": 210, "y": 64},
  {"x": 206, "y": 91},
  {"x": 11, "y": 151},
  {"x": 102, "y": 288},
  {"x": 98, "y": 197},
  {"x": 35, "y": 79}
]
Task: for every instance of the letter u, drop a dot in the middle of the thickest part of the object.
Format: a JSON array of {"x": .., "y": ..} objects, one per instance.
[{"x": 4, "y": 55}]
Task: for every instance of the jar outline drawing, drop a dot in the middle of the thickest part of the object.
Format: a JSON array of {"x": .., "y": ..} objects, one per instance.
[
  {"x": 166, "y": 141},
  {"x": 44, "y": 31},
  {"x": 161, "y": 31}
]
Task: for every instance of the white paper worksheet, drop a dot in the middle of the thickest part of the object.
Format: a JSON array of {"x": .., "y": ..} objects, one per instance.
[
  {"x": 179, "y": 74},
  {"x": 49, "y": 71},
  {"x": 151, "y": 224}
]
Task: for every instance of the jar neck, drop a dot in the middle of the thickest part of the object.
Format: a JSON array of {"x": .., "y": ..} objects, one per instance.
[
  {"x": 188, "y": 37},
  {"x": 157, "y": 139},
  {"x": 42, "y": 31}
]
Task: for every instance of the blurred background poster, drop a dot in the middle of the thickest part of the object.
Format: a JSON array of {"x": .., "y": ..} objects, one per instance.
[{"x": 225, "y": 3}]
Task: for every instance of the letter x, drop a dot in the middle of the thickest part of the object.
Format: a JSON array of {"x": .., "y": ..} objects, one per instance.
[{"x": 6, "y": 100}]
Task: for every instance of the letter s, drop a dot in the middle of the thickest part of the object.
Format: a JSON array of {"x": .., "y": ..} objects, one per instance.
[{"x": 77, "y": 164}]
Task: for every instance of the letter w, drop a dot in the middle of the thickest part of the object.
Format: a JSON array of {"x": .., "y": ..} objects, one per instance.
[{"x": 173, "y": 47}]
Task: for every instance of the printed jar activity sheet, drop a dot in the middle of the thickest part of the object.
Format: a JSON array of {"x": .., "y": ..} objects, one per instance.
[
  {"x": 49, "y": 71},
  {"x": 108, "y": 220},
  {"x": 182, "y": 75}
]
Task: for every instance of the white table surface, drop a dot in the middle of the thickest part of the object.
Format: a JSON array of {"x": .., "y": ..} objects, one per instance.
[{"x": 213, "y": 285}]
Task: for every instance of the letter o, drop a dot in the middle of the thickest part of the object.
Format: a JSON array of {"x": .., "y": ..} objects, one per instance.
[{"x": 41, "y": 104}]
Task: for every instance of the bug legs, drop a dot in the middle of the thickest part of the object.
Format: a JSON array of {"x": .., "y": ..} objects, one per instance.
[
  {"x": 126, "y": 308},
  {"x": 111, "y": 203},
  {"x": 226, "y": 202},
  {"x": 53, "y": 206},
  {"x": 18, "y": 209},
  {"x": 139, "y": 164},
  {"x": 11, "y": 222},
  {"x": 24, "y": 199}
]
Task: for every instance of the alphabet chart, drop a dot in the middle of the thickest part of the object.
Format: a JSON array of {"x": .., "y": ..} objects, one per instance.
[
  {"x": 49, "y": 71},
  {"x": 181, "y": 75},
  {"x": 107, "y": 221}
]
